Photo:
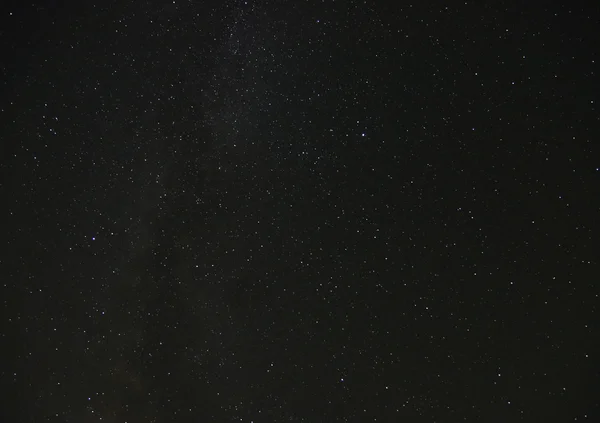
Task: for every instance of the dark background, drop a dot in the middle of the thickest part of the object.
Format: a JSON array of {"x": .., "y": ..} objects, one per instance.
[{"x": 310, "y": 211}]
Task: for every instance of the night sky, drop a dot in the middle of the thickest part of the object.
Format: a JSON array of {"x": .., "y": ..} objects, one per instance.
[{"x": 299, "y": 211}]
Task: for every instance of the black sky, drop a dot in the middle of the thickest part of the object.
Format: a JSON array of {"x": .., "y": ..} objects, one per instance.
[{"x": 319, "y": 211}]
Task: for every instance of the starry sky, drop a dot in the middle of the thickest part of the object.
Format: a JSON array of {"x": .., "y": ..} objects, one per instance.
[{"x": 299, "y": 211}]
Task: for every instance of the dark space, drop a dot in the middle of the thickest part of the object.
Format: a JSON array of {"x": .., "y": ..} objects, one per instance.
[{"x": 314, "y": 211}]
